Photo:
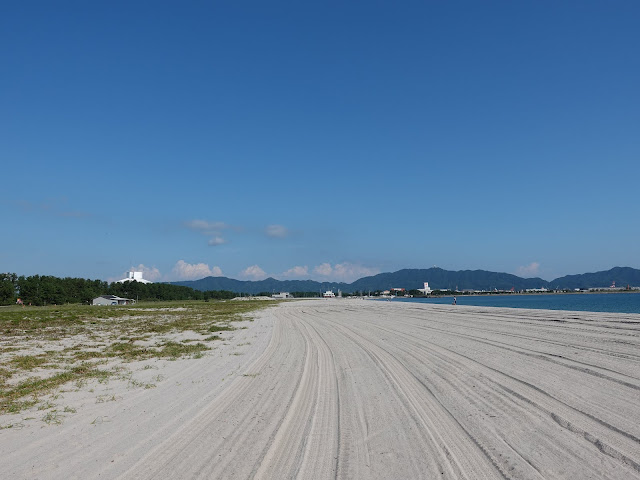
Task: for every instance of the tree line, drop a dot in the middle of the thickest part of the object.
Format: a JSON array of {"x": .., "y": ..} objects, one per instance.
[{"x": 49, "y": 290}]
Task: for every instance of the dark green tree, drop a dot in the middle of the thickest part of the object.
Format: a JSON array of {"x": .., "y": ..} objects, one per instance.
[{"x": 8, "y": 286}]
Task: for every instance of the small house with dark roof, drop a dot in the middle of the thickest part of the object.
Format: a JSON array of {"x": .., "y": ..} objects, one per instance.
[{"x": 112, "y": 300}]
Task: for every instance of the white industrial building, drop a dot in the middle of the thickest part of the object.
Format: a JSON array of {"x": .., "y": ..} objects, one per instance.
[
  {"x": 426, "y": 290},
  {"x": 137, "y": 276}
]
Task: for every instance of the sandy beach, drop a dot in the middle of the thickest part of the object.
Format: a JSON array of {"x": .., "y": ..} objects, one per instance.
[{"x": 363, "y": 389}]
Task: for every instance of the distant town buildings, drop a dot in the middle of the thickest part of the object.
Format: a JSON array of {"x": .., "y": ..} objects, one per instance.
[
  {"x": 426, "y": 290},
  {"x": 137, "y": 276},
  {"x": 282, "y": 295},
  {"x": 612, "y": 288},
  {"x": 328, "y": 294}
]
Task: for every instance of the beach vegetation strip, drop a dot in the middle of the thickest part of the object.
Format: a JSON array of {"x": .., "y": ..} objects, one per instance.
[{"x": 44, "y": 348}]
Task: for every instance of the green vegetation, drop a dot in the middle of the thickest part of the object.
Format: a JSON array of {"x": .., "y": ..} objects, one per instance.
[
  {"x": 28, "y": 362},
  {"x": 12, "y": 398},
  {"x": 47, "y": 290},
  {"x": 45, "y": 348},
  {"x": 177, "y": 350}
]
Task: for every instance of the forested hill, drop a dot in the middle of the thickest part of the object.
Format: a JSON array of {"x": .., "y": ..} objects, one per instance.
[
  {"x": 414, "y": 278},
  {"x": 408, "y": 279},
  {"x": 622, "y": 276},
  {"x": 268, "y": 285},
  {"x": 446, "y": 280}
]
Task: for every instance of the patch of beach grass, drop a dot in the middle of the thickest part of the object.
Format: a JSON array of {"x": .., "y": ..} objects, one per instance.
[
  {"x": 76, "y": 338},
  {"x": 106, "y": 398},
  {"x": 11, "y": 398},
  {"x": 52, "y": 418},
  {"x": 176, "y": 350},
  {"x": 5, "y": 374},
  {"x": 128, "y": 351},
  {"x": 28, "y": 362},
  {"x": 219, "y": 328}
]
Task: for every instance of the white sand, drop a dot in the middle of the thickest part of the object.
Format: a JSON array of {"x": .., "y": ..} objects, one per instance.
[{"x": 356, "y": 389}]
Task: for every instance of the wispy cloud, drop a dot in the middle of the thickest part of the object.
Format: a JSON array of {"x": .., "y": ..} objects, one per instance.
[
  {"x": 75, "y": 214},
  {"x": 206, "y": 227},
  {"x": 276, "y": 231},
  {"x": 531, "y": 270},
  {"x": 344, "y": 272},
  {"x": 210, "y": 229},
  {"x": 215, "y": 241},
  {"x": 194, "y": 271},
  {"x": 218, "y": 231},
  {"x": 254, "y": 272},
  {"x": 57, "y": 207}
]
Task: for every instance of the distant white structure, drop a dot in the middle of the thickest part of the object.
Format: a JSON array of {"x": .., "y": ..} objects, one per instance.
[
  {"x": 282, "y": 295},
  {"x": 329, "y": 294},
  {"x": 112, "y": 300},
  {"x": 426, "y": 290},
  {"x": 137, "y": 276}
]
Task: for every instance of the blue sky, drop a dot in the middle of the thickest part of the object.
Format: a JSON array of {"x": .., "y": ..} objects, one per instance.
[{"x": 324, "y": 140}]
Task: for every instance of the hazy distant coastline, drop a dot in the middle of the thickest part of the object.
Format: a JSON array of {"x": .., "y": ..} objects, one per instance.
[{"x": 438, "y": 278}]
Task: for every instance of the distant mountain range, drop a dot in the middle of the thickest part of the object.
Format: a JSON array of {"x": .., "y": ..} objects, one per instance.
[{"x": 414, "y": 278}]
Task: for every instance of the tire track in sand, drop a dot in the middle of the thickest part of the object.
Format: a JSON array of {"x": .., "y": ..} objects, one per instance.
[{"x": 351, "y": 389}]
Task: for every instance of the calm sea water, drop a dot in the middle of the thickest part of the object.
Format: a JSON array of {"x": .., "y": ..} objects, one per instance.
[{"x": 586, "y": 302}]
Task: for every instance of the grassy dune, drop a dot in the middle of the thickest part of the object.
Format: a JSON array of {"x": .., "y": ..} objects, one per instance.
[{"x": 45, "y": 348}]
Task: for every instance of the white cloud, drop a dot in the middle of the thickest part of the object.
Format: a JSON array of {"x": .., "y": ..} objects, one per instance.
[
  {"x": 350, "y": 272},
  {"x": 325, "y": 269},
  {"x": 148, "y": 273},
  {"x": 187, "y": 271},
  {"x": 216, "y": 271},
  {"x": 254, "y": 272},
  {"x": 276, "y": 231},
  {"x": 344, "y": 272},
  {"x": 530, "y": 270},
  {"x": 215, "y": 241},
  {"x": 296, "y": 272}
]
